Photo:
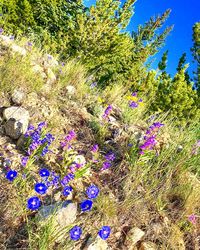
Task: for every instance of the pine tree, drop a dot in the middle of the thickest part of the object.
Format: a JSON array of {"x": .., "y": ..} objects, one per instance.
[
  {"x": 181, "y": 65},
  {"x": 196, "y": 54}
]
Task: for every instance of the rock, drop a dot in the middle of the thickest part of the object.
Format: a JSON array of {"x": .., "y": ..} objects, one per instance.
[
  {"x": 148, "y": 246},
  {"x": 135, "y": 235},
  {"x": 18, "y": 96},
  {"x": 64, "y": 214},
  {"x": 98, "y": 244},
  {"x": 71, "y": 90},
  {"x": 5, "y": 40},
  {"x": 17, "y": 120},
  {"x": 38, "y": 69},
  {"x": 17, "y": 49}
]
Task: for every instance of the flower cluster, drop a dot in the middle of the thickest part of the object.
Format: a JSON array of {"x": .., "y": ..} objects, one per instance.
[
  {"x": 150, "y": 137},
  {"x": 192, "y": 218},
  {"x": 109, "y": 158},
  {"x": 107, "y": 112},
  {"x": 68, "y": 138},
  {"x": 134, "y": 101},
  {"x": 38, "y": 141}
]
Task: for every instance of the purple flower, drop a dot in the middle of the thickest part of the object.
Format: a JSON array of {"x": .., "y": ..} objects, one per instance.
[
  {"x": 29, "y": 44},
  {"x": 107, "y": 111},
  {"x": 1, "y": 30},
  {"x": 93, "y": 85},
  {"x": 71, "y": 135},
  {"x": 67, "y": 190},
  {"x": 24, "y": 160},
  {"x": 75, "y": 233},
  {"x": 140, "y": 100},
  {"x": 11, "y": 175},
  {"x": 67, "y": 179},
  {"x": 44, "y": 172},
  {"x": 106, "y": 165},
  {"x": 40, "y": 188},
  {"x": 134, "y": 93},
  {"x": 86, "y": 205},
  {"x": 45, "y": 151},
  {"x": 41, "y": 125},
  {"x": 133, "y": 104},
  {"x": 33, "y": 203},
  {"x": 192, "y": 218},
  {"x": 95, "y": 148},
  {"x": 110, "y": 156},
  {"x": 104, "y": 232},
  {"x": 92, "y": 191}
]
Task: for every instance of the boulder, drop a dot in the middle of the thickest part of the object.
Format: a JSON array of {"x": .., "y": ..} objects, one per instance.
[{"x": 16, "y": 121}]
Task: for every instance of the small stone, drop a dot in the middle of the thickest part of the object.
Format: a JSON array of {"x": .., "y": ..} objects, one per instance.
[
  {"x": 98, "y": 244},
  {"x": 51, "y": 78},
  {"x": 71, "y": 90},
  {"x": 148, "y": 246},
  {"x": 18, "y": 96},
  {"x": 135, "y": 235},
  {"x": 17, "y": 49}
]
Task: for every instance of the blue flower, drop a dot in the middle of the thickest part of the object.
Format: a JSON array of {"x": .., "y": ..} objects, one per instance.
[
  {"x": 92, "y": 191},
  {"x": 24, "y": 161},
  {"x": 67, "y": 190},
  {"x": 67, "y": 178},
  {"x": 106, "y": 165},
  {"x": 110, "y": 156},
  {"x": 75, "y": 233},
  {"x": 41, "y": 125},
  {"x": 44, "y": 172},
  {"x": 11, "y": 175},
  {"x": 86, "y": 205},
  {"x": 33, "y": 203},
  {"x": 104, "y": 232},
  {"x": 40, "y": 188}
]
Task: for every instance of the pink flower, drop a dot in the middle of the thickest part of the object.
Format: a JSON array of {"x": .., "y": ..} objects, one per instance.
[{"x": 192, "y": 218}]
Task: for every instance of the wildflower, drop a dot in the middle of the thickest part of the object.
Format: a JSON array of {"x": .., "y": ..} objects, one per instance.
[
  {"x": 41, "y": 125},
  {"x": 44, "y": 172},
  {"x": 1, "y": 30},
  {"x": 110, "y": 156},
  {"x": 71, "y": 135},
  {"x": 133, "y": 104},
  {"x": 75, "y": 233},
  {"x": 86, "y": 205},
  {"x": 40, "y": 188},
  {"x": 140, "y": 100},
  {"x": 104, "y": 232},
  {"x": 93, "y": 85},
  {"x": 92, "y": 191},
  {"x": 29, "y": 44},
  {"x": 67, "y": 190},
  {"x": 106, "y": 165},
  {"x": 67, "y": 179},
  {"x": 45, "y": 151},
  {"x": 95, "y": 148},
  {"x": 192, "y": 218},
  {"x": 107, "y": 112},
  {"x": 24, "y": 161},
  {"x": 11, "y": 175},
  {"x": 33, "y": 203},
  {"x": 134, "y": 93}
]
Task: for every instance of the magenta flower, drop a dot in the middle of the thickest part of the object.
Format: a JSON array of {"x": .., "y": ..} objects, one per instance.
[{"x": 192, "y": 218}]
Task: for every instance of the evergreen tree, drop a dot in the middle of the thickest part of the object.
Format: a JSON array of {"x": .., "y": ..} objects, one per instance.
[
  {"x": 181, "y": 65},
  {"x": 196, "y": 54}
]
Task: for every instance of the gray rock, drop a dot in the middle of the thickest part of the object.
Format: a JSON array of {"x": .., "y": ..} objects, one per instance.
[
  {"x": 63, "y": 214},
  {"x": 98, "y": 244},
  {"x": 17, "y": 120},
  {"x": 18, "y": 96}
]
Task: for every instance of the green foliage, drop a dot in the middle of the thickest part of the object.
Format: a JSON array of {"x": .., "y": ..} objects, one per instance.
[
  {"x": 51, "y": 21},
  {"x": 196, "y": 54}
]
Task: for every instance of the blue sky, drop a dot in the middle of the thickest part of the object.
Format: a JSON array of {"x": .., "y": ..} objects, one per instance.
[{"x": 183, "y": 16}]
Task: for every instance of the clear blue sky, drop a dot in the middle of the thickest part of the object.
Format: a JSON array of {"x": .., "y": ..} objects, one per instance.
[{"x": 183, "y": 16}]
